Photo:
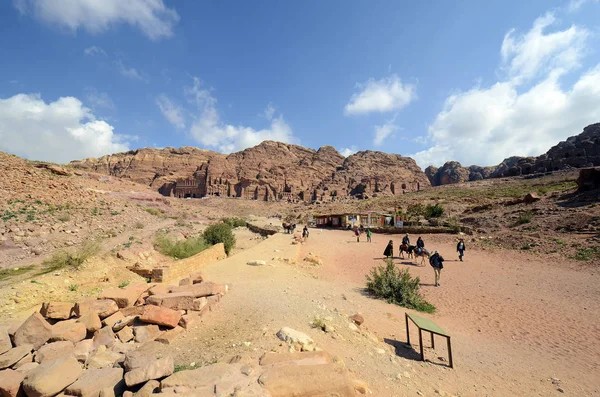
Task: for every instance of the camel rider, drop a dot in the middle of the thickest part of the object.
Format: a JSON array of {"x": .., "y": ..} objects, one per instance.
[
  {"x": 420, "y": 245},
  {"x": 406, "y": 240}
]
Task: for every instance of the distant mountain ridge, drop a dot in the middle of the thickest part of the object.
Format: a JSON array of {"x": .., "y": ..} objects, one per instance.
[
  {"x": 578, "y": 151},
  {"x": 269, "y": 171}
]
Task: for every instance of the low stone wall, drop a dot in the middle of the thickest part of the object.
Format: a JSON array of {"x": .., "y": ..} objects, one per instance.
[
  {"x": 183, "y": 267},
  {"x": 261, "y": 230}
]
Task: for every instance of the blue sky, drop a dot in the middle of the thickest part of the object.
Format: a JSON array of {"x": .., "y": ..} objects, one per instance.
[{"x": 466, "y": 80}]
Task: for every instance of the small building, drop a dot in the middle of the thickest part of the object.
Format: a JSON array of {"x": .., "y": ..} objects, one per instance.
[
  {"x": 341, "y": 220},
  {"x": 379, "y": 219}
]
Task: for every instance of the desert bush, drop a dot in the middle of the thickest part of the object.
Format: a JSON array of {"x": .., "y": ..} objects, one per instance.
[
  {"x": 433, "y": 211},
  {"x": 397, "y": 286},
  {"x": 70, "y": 259},
  {"x": 154, "y": 211},
  {"x": 587, "y": 253},
  {"x": 524, "y": 218},
  {"x": 234, "y": 222},
  {"x": 318, "y": 323},
  {"x": 73, "y": 287},
  {"x": 15, "y": 271},
  {"x": 415, "y": 211},
  {"x": 179, "y": 249},
  {"x": 139, "y": 225},
  {"x": 220, "y": 233}
]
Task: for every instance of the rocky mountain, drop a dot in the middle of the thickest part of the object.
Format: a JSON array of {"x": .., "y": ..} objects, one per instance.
[
  {"x": 269, "y": 171},
  {"x": 578, "y": 151}
]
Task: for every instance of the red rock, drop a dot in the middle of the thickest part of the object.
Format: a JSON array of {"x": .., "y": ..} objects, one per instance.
[
  {"x": 51, "y": 377},
  {"x": 10, "y": 383},
  {"x": 154, "y": 369},
  {"x": 57, "y": 310},
  {"x": 124, "y": 297},
  {"x": 93, "y": 381},
  {"x": 160, "y": 316},
  {"x": 175, "y": 301},
  {"x": 25, "y": 368},
  {"x": 125, "y": 334},
  {"x": 34, "y": 330},
  {"x": 145, "y": 333},
  {"x": 83, "y": 350},
  {"x": 169, "y": 336},
  {"x": 111, "y": 320},
  {"x": 188, "y": 321},
  {"x": 159, "y": 289},
  {"x": 104, "y": 337},
  {"x": 132, "y": 311},
  {"x": 5, "y": 343},
  {"x": 199, "y": 303},
  {"x": 357, "y": 319},
  {"x": 103, "y": 307},
  {"x": 68, "y": 331},
  {"x": 24, "y": 361},
  {"x": 197, "y": 277},
  {"x": 91, "y": 321},
  {"x": 54, "y": 350}
]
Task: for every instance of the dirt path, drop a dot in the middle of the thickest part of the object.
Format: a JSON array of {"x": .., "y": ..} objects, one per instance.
[{"x": 511, "y": 318}]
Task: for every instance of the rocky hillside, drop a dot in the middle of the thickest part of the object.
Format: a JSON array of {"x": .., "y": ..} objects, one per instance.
[
  {"x": 270, "y": 171},
  {"x": 578, "y": 151}
]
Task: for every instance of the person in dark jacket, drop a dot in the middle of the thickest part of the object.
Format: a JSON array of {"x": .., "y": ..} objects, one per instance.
[
  {"x": 437, "y": 262},
  {"x": 461, "y": 248},
  {"x": 305, "y": 232},
  {"x": 420, "y": 245},
  {"x": 405, "y": 240},
  {"x": 389, "y": 250}
]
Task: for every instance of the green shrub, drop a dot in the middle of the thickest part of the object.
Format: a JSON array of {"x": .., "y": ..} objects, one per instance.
[
  {"x": 587, "y": 254},
  {"x": 524, "y": 218},
  {"x": 139, "y": 225},
  {"x": 234, "y": 222},
  {"x": 397, "y": 286},
  {"x": 73, "y": 287},
  {"x": 124, "y": 284},
  {"x": 318, "y": 323},
  {"x": 70, "y": 259},
  {"x": 415, "y": 210},
  {"x": 220, "y": 233},
  {"x": 15, "y": 271},
  {"x": 179, "y": 249},
  {"x": 154, "y": 211},
  {"x": 433, "y": 211}
]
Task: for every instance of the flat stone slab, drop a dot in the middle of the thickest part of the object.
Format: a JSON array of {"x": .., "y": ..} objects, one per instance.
[
  {"x": 34, "y": 330},
  {"x": 225, "y": 378},
  {"x": 102, "y": 307},
  {"x": 202, "y": 289},
  {"x": 12, "y": 356},
  {"x": 52, "y": 377},
  {"x": 95, "y": 380},
  {"x": 296, "y": 358},
  {"x": 175, "y": 300},
  {"x": 125, "y": 297},
  {"x": 160, "y": 316},
  {"x": 54, "y": 350},
  {"x": 57, "y": 310},
  {"x": 69, "y": 330},
  {"x": 297, "y": 339}
]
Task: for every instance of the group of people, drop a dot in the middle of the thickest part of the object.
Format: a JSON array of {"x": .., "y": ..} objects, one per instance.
[
  {"x": 359, "y": 231},
  {"x": 436, "y": 260}
]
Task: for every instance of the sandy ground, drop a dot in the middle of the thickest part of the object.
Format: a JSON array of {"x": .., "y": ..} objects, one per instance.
[{"x": 516, "y": 322}]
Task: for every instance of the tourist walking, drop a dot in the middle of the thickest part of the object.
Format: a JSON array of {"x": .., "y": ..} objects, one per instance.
[
  {"x": 357, "y": 233},
  {"x": 461, "y": 248},
  {"x": 389, "y": 250},
  {"x": 369, "y": 234},
  {"x": 437, "y": 262}
]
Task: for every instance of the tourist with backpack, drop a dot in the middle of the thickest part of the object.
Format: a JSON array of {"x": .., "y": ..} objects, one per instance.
[
  {"x": 437, "y": 262},
  {"x": 357, "y": 233}
]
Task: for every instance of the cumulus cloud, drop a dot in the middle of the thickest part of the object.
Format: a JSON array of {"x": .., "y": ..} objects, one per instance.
[
  {"x": 348, "y": 151},
  {"x": 152, "y": 17},
  {"x": 537, "y": 52},
  {"x": 485, "y": 125},
  {"x": 93, "y": 51},
  {"x": 384, "y": 131},
  {"x": 385, "y": 95},
  {"x": 129, "y": 72},
  {"x": 209, "y": 130},
  {"x": 57, "y": 131},
  {"x": 172, "y": 112}
]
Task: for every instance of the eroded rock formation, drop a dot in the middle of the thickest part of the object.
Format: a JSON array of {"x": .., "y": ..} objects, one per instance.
[{"x": 270, "y": 171}]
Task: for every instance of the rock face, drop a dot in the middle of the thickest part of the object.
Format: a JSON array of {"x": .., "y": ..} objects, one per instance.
[
  {"x": 589, "y": 179},
  {"x": 578, "y": 151},
  {"x": 270, "y": 171}
]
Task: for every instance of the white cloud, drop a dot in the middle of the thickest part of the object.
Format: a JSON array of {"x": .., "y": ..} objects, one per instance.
[
  {"x": 152, "y": 17},
  {"x": 575, "y": 5},
  {"x": 97, "y": 99},
  {"x": 269, "y": 111},
  {"x": 384, "y": 131},
  {"x": 58, "y": 131},
  {"x": 131, "y": 73},
  {"x": 93, "y": 51},
  {"x": 348, "y": 151},
  {"x": 171, "y": 111},
  {"x": 536, "y": 52},
  {"x": 485, "y": 125},
  {"x": 208, "y": 129},
  {"x": 385, "y": 95}
]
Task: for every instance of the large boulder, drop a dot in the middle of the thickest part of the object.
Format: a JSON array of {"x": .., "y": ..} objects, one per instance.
[
  {"x": 102, "y": 307},
  {"x": 125, "y": 297},
  {"x": 589, "y": 179},
  {"x": 52, "y": 377},
  {"x": 34, "y": 330},
  {"x": 296, "y": 339},
  {"x": 70, "y": 330},
  {"x": 93, "y": 381},
  {"x": 5, "y": 343},
  {"x": 54, "y": 350},
  {"x": 91, "y": 320},
  {"x": 105, "y": 337},
  {"x": 57, "y": 310}
]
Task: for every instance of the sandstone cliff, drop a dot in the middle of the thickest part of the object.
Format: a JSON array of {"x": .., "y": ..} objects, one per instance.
[
  {"x": 578, "y": 151},
  {"x": 268, "y": 171}
]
